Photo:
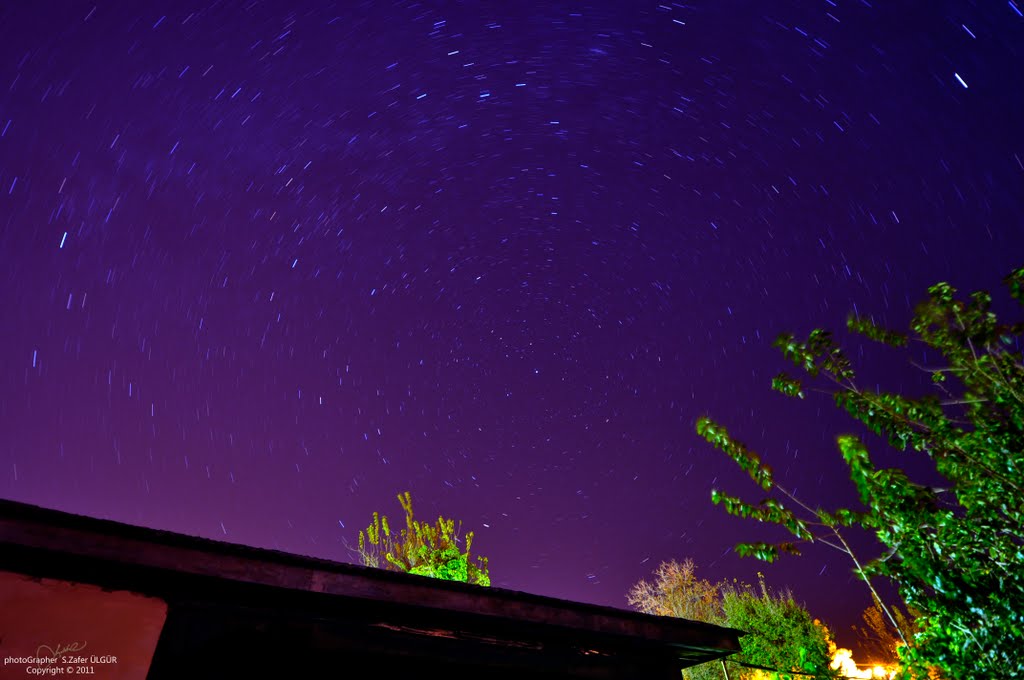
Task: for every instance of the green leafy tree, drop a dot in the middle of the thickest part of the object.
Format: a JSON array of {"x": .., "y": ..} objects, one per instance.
[
  {"x": 422, "y": 548},
  {"x": 781, "y": 634},
  {"x": 956, "y": 554}
]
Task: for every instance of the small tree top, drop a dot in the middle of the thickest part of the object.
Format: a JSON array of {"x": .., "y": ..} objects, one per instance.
[{"x": 422, "y": 548}]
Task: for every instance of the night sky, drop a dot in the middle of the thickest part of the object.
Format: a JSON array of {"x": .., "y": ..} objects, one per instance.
[{"x": 267, "y": 264}]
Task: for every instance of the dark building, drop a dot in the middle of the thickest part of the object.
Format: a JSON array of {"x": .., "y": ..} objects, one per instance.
[{"x": 130, "y": 602}]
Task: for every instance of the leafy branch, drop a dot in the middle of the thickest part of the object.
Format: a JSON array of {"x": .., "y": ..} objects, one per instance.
[{"x": 959, "y": 563}]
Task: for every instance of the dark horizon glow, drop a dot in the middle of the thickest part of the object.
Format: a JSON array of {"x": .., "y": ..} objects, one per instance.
[{"x": 269, "y": 264}]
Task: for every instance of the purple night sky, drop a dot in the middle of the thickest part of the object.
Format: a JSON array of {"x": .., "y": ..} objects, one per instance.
[{"x": 267, "y": 264}]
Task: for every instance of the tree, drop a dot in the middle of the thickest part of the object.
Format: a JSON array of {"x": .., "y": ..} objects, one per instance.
[
  {"x": 955, "y": 554},
  {"x": 676, "y": 591},
  {"x": 879, "y": 638},
  {"x": 781, "y": 634},
  {"x": 422, "y": 548}
]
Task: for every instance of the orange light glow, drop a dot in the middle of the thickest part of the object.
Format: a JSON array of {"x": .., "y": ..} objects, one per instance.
[{"x": 842, "y": 660}]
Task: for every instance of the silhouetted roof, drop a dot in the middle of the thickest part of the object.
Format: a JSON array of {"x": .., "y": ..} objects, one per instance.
[{"x": 234, "y": 610}]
